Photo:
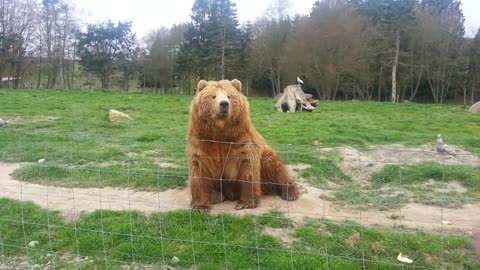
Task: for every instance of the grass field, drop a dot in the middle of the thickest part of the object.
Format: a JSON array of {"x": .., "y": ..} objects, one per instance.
[
  {"x": 70, "y": 129},
  {"x": 112, "y": 239}
]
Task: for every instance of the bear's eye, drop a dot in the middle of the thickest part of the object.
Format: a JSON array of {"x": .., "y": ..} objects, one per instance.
[{"x": 214, "y": 97}]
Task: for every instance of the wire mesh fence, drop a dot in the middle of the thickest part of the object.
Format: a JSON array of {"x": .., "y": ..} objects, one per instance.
[{"x": 81, "y": 200}]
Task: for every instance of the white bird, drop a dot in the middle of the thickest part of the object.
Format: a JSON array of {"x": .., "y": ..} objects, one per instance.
[
  {"x": 299, "y": 80},
  {"x": 444, "y": 148}
]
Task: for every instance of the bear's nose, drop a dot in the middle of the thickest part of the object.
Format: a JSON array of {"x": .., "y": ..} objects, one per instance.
[{"x": 224, "y": 106}]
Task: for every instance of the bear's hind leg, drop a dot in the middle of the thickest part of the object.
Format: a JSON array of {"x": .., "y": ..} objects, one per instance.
[{"x": 275, "y": 177}]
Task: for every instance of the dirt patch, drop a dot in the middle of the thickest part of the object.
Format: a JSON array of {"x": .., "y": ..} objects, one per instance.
[
  {"x": 151, "y": 154},
  {"x": 353, "y": 239},
  {"x": 71, "y": 202},
  {"x": 282, "y": 234},
  {"x": 453, "y": 186},
  {"x": 164, "y": 164},
  {"x": 360, "y": 165},
  {"x": 29, "y": 119}
]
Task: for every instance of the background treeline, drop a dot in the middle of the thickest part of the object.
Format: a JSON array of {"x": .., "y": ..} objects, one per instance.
[{"x": 381, "y": 50}]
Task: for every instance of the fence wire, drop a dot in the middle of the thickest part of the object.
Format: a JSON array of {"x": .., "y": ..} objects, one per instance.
[{"x": 85, "y": 200}]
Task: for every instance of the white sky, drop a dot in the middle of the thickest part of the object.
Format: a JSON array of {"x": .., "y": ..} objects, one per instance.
[{"x": 148, "y": 15}]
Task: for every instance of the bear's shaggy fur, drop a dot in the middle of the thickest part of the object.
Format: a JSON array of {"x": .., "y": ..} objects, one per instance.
[{"x": 227, "y": 155}]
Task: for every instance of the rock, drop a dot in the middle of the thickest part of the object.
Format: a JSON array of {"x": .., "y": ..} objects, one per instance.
[
  {"x": 116, "y": 116},
  {"x": 404, "y": 259},
  {"x": 2, "y": 123},
  {"x": 475, "y": 108},
  {"x": 174, "y": 260},
  {"x": 42, "y": 160},
  {"x": 32, "y": 244}
]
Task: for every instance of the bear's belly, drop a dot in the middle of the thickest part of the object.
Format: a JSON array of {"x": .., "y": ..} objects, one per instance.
[{"x": 228, "y": 161}]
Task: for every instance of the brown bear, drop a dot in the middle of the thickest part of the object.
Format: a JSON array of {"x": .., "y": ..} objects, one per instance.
[{"x": 227, "y": 155}]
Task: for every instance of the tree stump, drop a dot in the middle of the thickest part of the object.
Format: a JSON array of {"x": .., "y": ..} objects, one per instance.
[{"x": 293, "y": 99}]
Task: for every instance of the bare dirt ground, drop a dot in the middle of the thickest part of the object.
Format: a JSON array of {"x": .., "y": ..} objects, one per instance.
[
  {"x": 360, "y": 165},
  {"x": 71, "y": 202}
]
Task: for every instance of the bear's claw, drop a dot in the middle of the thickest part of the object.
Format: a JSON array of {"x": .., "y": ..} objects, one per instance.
[
  {"x": 201, "y": 208},
  {"x": 292, "y": 195},
  {"x": 243, "y": 205}
]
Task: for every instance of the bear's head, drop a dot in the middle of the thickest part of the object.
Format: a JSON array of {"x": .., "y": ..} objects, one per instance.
[{"x": 220, "y": 102}]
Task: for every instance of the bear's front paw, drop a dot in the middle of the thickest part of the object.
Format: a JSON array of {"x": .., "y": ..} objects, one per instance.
[
  {"x": 201, "y": 208},
  {"x": 245, "y": 205},
  {"x": 290, "y": 193}
]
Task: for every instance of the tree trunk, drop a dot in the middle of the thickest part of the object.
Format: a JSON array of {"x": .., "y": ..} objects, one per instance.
[
  {"x": 434, "y": 91},
  {"x": 394, "y": 66},
  {"x": 380, "y": 83},
  {"x": 472, "y": 101},
  {"x": 272, "y": 80},
  {"x": 74, "y": 62},
  {"x": 64, "y": 43},
  {"x": 337, "y": 82},
  {"x": 278, "y": 79},
  {"x": 223, "y": 54},
  {"x": 412, "y": 97}
]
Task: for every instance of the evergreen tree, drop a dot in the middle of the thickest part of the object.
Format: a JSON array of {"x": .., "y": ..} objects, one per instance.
[
  {"x": 223, "y": 45},
  {"x": 212, "y": 46},
  {"x": 246, "y": 48}
]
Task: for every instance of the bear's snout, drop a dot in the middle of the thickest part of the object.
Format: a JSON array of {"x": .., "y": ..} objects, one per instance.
[{"x": 224, "y": 106}]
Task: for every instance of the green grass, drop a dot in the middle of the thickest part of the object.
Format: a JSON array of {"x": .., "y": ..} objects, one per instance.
[
  {"x": 142, "y": 176},
  {"x": 78, "y": 133},
  {"x": 467, "y": 175},
  {"x": 394, "y": 186},
  {"x": 112, "y": 239},
  {"x": 363, "y": 198}
]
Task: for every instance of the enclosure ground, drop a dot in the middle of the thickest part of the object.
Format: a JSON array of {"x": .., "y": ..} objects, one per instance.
[{"x": 72, "y": 202}]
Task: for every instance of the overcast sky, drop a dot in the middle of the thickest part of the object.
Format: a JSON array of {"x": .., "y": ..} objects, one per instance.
[{"x": 148, "y": 15}]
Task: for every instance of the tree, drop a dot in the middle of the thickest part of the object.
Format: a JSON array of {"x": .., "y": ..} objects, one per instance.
[
  {"x": 17, "y": 26},
  {"x": 192, "y": 53},
  {"x": 246, "y": 62},
  {"x": 161, "y": 56},
  {"x": 223, "y": 45},
  {"x": 474, "y": 69},
  {"x": 57, "y": 29},
  {"x": 271, "y": 34},
  {"x": 443, "y": 23},
  {"x": 104, "y": 46},
  {"x": 331, "y": 48},
  {"x": 212, "y": 45},
  {"x": 393, "y": 18}
]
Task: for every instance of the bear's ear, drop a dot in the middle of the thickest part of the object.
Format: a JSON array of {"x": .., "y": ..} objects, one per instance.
[
  {"x": 201, "y": 85},
  {"x": 237, "y": 84}
]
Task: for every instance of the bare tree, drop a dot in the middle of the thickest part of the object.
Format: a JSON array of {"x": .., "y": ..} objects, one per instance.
[
  {"x": 17, "y": 22},
  {"x": 57, "y": 32}
]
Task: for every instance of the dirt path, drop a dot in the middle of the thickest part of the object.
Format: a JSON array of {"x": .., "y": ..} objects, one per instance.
[{"x": 73, "y": 201}]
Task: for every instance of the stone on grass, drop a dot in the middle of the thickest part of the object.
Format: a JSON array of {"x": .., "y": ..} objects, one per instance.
[
  {"x": 174, "y": 260},
  {"x": 2, "y": 123},
  {"x": 117, "y": 116},
  {"x": 32, "y": 244},
  {"x": 475, "y": 108}
]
